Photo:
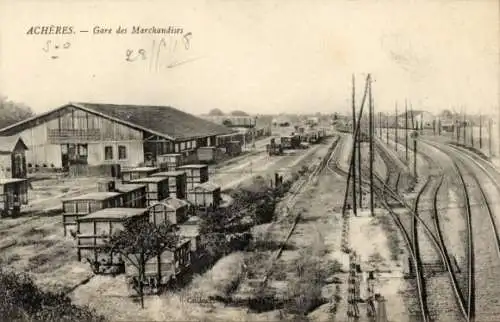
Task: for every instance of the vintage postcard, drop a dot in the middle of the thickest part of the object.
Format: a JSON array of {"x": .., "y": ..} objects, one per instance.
[{"x": 238, "y": 160}]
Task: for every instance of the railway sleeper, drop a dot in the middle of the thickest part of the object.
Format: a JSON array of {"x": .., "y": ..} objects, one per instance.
[{"x": 429, "y": 269}]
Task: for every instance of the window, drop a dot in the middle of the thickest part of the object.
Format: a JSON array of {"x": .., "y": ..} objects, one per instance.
[
  {"x": 183, "y": 146},
  {"x": 122, "y": 152},
  {"x": 82, "y": 151},
  {"x": 108, "y": 153},
  {"x": 194, "y": 144}
]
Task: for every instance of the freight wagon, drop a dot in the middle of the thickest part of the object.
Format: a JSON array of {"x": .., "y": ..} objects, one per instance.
[
  {"x": 77, "y": 207},
  {"x": 204, "y": 196},
  {"x": 94, "y": 230},
  {"x": 177, "y": 182},
  {"x": 156, "y": 188},
  {"x": 165, "y": 268},
  {"x": 131, "y": 174}
]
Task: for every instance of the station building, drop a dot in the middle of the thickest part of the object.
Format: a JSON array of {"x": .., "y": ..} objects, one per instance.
[{"x": 96, "y": 134}]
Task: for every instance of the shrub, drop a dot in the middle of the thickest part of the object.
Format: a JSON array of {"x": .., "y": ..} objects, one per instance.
[{"x": 22, "y": 300}]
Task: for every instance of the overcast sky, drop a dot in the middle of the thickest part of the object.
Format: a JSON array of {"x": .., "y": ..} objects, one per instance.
[{"x": 257, "y": 56}]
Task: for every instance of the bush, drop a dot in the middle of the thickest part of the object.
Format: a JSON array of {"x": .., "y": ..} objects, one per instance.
[{"x": 22, "y": 300}]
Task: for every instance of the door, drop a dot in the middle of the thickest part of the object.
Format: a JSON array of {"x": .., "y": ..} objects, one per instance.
[{"x": 18, "y": 166}]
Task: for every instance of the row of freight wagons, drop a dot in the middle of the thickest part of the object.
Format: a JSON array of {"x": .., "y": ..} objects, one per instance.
[{"x": 144, "y": 187}]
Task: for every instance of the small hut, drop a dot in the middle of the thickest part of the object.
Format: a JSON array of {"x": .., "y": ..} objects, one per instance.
[
  {"x": 13, "y": 158},
  {"x": 13, "y": 194},
  {"x": 171, "y": 209},
  {"x": 205, "y": 195}
]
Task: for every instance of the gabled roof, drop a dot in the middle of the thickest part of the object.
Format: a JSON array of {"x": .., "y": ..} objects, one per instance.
[
  {"x": 164, "y": 121},
  {"x": 9, "y": 143}
]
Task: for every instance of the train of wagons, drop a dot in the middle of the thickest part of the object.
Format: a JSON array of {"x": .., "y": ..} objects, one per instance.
[{"x": 295, "y": 141}]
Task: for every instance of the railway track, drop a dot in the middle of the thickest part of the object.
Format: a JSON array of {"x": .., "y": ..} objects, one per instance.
[
  {"x": 484, "y": 250},
  {"x": 388, "y": 189},
  {"x": 298, "y": 188}
]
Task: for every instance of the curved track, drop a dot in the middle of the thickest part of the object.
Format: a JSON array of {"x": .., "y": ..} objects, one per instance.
[{"x": 484, "y": 265}]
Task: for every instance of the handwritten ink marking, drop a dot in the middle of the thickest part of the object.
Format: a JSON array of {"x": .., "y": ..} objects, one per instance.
[
  {"x": 55, "y": 48},
  {"x": 163, "y": 53}
]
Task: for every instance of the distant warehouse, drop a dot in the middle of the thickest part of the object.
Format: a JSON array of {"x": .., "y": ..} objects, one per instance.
[{"x": 97, "y": 134}]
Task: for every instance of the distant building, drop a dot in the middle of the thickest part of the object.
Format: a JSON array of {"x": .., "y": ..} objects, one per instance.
[{"x": 419, "y": 118}]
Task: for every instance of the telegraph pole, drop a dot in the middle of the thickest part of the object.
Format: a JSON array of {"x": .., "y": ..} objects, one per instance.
[
  {"x": 396, "y": 129},
  {"x": 371, "y": 147},
  {"x": 480, "y": 131},
  {"x": 355, "y": 135},
  {"x": 406, "y": 130},
  {"x": 360, "y": 192},
  {"x": 489, "y": 136},
  {"x": 353, "y": 161},
  {"x": 387, "y": 128},
  {"x": 471, "y": 127},
  {"x": 465, "y": 128}
]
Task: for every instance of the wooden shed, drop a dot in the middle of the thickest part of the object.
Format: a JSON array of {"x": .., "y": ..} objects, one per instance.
[
  {"x": 205, "y": 195},
  {"x": 167, "y": 266},
  {"x": 137, "y": 173},
  {"x": 177, "y": 183},
  {"x": 94, "y": 229},
  {"x": 172, "y": 209},
  {"x": 170, "y": 162},
  {"x": 13, "y": 194},
  {"x": 195, "y": 174},
  {"x": 13, "y": 157},
  {"x": 156, "y": 188},
  {"x": 76, "y": 207}
]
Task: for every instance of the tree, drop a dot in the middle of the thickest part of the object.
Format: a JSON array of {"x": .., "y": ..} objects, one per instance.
[
  {"x": 216, "y": 112},
  {"x": 11, "y": 112},
  {"x": 239, "y": 113},
  {"x": 140, "y": 241}
]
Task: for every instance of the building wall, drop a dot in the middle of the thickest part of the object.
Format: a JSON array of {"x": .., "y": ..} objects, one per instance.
[{"x": 74, "y": 126}]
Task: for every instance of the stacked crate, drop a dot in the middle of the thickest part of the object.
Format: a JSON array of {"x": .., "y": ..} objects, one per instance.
[
  {"x": 156, "y": 189},
  {"x": 170, "y": 162},
  {"x": 177, "y": 184},
  {"x": 129, "y": 175},
  {"x": 94, "y": 229},
  {"x": 195, "y": 174},
  {"x": 77, "y": 207},
  {"x": 205, "y": 195},
  {"x": 172, "y": 210}
]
